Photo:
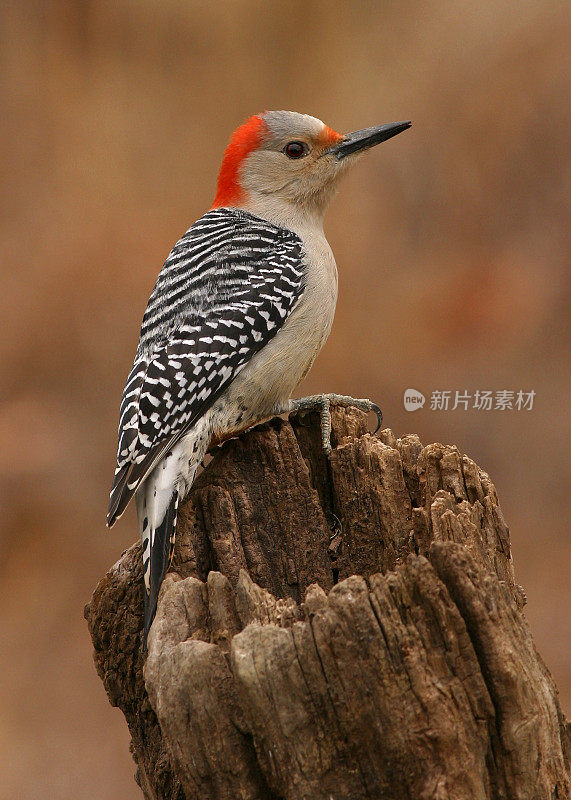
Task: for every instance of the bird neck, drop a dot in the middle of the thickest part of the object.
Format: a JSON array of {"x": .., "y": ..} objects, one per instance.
[{"x": 296, "y": 218}]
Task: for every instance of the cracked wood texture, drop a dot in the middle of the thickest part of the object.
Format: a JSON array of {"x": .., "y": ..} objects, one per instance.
[{"x": 342, "y": 629}]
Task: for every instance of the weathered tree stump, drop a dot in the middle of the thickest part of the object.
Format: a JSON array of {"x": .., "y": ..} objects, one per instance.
[{"x": 385, "y": 658}]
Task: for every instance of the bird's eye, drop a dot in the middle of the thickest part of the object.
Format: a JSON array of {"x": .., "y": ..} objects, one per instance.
[{"x": 296, "y": 149}]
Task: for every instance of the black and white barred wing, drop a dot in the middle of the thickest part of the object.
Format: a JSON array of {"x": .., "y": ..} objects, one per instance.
[{"x": 224, "y": 292}]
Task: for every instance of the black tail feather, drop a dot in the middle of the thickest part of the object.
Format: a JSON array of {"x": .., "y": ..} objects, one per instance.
[
  {"x": 161, "y": 551},
  {"x": 119, "y": 484},
  {"x": 125, "y": 483}
]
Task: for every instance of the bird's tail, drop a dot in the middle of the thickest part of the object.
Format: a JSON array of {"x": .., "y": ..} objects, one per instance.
[{"x": 158, "y": 538}]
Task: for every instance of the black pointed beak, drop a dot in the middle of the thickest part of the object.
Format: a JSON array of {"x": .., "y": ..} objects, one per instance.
[{"x": 368, "y": 137}]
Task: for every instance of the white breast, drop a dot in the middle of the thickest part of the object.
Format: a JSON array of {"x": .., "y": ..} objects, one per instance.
[{"x": 266, "y": 383}]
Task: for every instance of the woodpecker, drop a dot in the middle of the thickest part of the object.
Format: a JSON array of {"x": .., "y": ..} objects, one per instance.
[{"x": 241, "y": 308}]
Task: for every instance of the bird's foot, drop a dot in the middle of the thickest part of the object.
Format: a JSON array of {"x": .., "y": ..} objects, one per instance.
[{"x": 322, "y": 404}]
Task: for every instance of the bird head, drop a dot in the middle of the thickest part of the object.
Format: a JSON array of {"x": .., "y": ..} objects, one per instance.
[{"x": 284, "y": 159}]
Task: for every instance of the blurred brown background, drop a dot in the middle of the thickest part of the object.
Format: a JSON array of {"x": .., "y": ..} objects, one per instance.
[{"x": 451, "y": 242}]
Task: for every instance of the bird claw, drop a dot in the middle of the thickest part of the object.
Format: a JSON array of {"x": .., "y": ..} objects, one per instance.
[
  {"x": 322, "y": 404},
  {"x": 375, "y": 408}
]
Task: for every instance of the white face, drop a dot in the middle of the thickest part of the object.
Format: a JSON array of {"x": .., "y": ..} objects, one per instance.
[{"x": 292, "y": 161}]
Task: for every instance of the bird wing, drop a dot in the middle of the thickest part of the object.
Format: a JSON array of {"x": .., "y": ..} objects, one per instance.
[{"x": 225, "y": 290}]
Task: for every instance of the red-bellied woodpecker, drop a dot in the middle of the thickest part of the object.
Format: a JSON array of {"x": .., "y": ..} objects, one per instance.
[{"x": 240, "y": 310}]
